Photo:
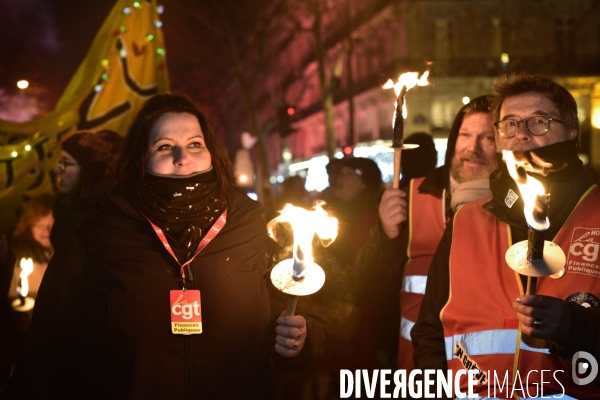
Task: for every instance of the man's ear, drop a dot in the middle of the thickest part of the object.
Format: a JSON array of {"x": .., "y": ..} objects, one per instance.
[{"x": 573, "y": 134}]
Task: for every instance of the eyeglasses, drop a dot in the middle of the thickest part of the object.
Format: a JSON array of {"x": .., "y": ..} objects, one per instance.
[
  {"x": 63, "y": 164},
  {"x": 536, "y": 125}
]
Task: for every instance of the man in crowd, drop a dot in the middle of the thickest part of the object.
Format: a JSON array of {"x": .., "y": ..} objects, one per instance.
[
  {"x": 475, "y": 314},
  {"x": 412, "y": 222}
]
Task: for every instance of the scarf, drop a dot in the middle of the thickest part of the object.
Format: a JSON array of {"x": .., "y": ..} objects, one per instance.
[
  {"x": 468, "y": 192},
  {"x": 184, "y": 208}
]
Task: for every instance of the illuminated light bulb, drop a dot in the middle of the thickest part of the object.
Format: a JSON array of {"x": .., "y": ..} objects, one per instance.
[
  {"x": 105, "y": 76},
  {"x": 104, "y": 63},
  {"x": 466, "y": 100},
  {"x": 158, "y": 24},
  {"x": 123, "y": 28},
  {"x": 98, "y": 88},
  {"x": 504, "y": 58},
  {"x": 150, "y": 37},
  {"x": 22, "y": 84},
  {"x": 160, "y": 51},
  {"x": 160, "y": 9},
  {"x": 14, "y": 154},
  {"x": 27, "y": 147},
  {"x": 127, "y": 11},
  {"x": 273, "y": 180},
  {"x": 243, "y": 178},
  {"x": 136, "y": 4},
  {"x": 123, "y": 53}
]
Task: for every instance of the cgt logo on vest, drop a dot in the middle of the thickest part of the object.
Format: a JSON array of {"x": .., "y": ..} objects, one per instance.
[{"x": 584, "y": 251}]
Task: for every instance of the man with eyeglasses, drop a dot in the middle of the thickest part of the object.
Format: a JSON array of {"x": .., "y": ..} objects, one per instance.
[{"x": 475, "y": 315}]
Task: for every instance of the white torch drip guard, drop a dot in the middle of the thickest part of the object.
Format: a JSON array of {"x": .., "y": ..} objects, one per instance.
[
  {"x": 28, "y": 305},
  {"x": 283, "y": 279},
  {"x": 407, "y": 146},
  {"x": 552, "y": 264}
]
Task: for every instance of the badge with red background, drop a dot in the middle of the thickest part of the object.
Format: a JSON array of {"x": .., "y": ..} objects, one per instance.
[{"x": 186, "y": 316}]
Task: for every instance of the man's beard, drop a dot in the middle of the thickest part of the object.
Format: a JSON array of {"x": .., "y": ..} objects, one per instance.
[{"x": 465, "y": 174}]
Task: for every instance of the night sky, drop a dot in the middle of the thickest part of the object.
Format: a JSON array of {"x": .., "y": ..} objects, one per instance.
[{"x": 44, "y": 41}]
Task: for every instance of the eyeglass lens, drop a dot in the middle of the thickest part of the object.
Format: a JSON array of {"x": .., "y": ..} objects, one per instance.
[{"x": 537, "y": 126}]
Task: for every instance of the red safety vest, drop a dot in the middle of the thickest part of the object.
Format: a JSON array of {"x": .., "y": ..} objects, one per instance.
[
  {"x": 425, "y": 230},
  {"x": 481, "y": 328}
]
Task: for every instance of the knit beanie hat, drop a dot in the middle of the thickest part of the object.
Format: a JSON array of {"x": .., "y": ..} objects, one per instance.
[
  {"x": 366, "y": 169},
  {"x": 96, "y": 153}
]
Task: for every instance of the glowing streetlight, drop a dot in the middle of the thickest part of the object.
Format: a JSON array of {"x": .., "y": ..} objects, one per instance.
[{"x": 23, "y": 84}]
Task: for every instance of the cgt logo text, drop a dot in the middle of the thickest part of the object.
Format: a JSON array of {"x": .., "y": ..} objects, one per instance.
[{"x": 430, "y": 384}]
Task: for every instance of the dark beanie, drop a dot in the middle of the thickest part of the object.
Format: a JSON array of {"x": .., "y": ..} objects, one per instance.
[
  {"x": 96, "y": 153},
  {"x": 366, "y": 169}
]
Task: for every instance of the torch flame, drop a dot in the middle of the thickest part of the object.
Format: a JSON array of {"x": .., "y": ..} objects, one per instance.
[
  {"x": 407, "y": 81},
  {"x": 26, "y": 270},
  {"x": 529, "y": 188},
  {"x": 305, "y": 224}
]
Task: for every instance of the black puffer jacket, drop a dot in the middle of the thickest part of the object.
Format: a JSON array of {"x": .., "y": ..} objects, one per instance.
[{"x": 101, "y": 327}]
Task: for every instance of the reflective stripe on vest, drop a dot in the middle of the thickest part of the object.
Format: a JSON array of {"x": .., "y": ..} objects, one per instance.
[
  {"x": 405, "y": 326},
  {"x": 414, "y": 284},
  {"x": 494, "y": 341}
]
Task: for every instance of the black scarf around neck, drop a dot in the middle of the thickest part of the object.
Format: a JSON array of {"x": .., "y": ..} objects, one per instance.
[{"x": 184, "y": 208}]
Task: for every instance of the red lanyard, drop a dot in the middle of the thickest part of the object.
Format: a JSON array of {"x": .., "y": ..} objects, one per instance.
[{"x": 214, "y": 231}]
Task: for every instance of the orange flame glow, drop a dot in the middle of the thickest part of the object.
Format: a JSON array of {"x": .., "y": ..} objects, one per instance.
[
  {"x": 305, "y": 224},
  {"x": 26, "y": 270},
  {"x": 529, "y": 188},
  {"x": 407, "y": 80}
]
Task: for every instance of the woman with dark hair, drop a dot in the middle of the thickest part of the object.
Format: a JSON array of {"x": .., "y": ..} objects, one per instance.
[
  {"x": 164, "y": 292},
  {"x": 85, "y": 174},
  {"x": 31, "y": 239}
]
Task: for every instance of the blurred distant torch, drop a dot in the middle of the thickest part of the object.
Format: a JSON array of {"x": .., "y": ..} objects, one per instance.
[
  {"x": 24, "y": 303},
  {"x": 300, "y": 275},
  {"x": 406, "y": 81}
]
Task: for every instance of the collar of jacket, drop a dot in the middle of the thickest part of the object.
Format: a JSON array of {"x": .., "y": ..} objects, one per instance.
[
  {"x": 566, "y": 183},
  {"x": 434, "y": 183}
]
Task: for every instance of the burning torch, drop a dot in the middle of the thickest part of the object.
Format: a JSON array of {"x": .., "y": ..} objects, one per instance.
[
  {"x": 24, "y": 303},
  {"x": 405, "y": 82},
  {"x": 535, "y": 256},
  {"x": 300, "y": 275}
]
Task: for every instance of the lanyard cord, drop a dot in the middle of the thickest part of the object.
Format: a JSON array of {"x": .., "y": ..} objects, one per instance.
[{"x": 213, "y": 231}]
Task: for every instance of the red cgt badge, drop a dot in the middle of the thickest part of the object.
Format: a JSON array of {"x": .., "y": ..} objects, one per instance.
[{"x": 186, "y": 317}]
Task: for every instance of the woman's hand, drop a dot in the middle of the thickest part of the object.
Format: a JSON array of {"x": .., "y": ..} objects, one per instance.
[{"x": 291, "y": 334}]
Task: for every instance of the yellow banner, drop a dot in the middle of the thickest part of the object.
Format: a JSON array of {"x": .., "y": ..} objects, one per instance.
[{"x": 124, "y": 67}]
